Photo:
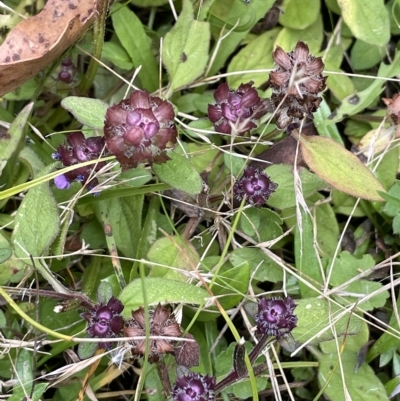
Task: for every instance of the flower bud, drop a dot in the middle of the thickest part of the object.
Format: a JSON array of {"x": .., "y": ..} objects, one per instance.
[
  {"x": 255, "y": 186},
  {"x": 275, "y": 316},
  {"x": 105, "y": 320}
]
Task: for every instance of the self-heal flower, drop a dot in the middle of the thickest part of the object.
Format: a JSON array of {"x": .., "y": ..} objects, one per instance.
[
  {"x": 79, "y": 149},
  {"x": 296, "y": 83},
  {"x": 61, "y": 182},
  {"x": 162, "y": 323},
  {"x": 236, "y": 111},
  {"x": 275, "y": 316},
  {"x": 255, "y": 186},
  {"x": 191, "y": 386},
  {"x": 140, "y": 129},
  {"x": 105, "y": 320}
]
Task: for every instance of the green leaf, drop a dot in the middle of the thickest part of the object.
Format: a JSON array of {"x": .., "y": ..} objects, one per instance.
[
  {"x": 340, "y": 168},
  {"x": 159, "y": 290},
  {"x": 350, "y": 343},
  {"x": 37, "y": 222},
  {"x": 117, "y": 55},
  {"x": 389, "y": 338},
  {"x": 257, "y": 55},
  {"x": 90, "y": 112},
  {"x": 149, "y": 3},
  {"x": 265, "y": 269},
  {"x": 364, "y": 56},
  {"x": 299, "y": 14},
  {"x": 284, "y": 196},
  {"x": 367, "y": 20},
  {"x": 312, "y": 35},
  {"x": 12, "y": 141},
  {"x": 233, "y": 40},
  {"x": 231, "y": 286},
  {"x": 236, "y": 163},
  {"x": 172, "y": 252},
  {"x": 24, "y": 370},
  {"x": 315, "y": 315},
  {"x": 11, "y": 268},
  {"x": 125, "y": 215},
  {"x": 86, "y": 350},
  {"x": 269, "y": 229},
  {"x": 32, "y": 161},
  {"x": 340, "y": 85},
  {"x": 3, "y": 320},
  {"x": 330, "y": 131},
  {"x": 327, "y": 229},
  {"x": 392, "y": 198},
  {"x": 131, "y": 33},
  {"x": 306, "y": 257},
  {"x": 334, "y": 378},
  {"x": 357, "y": 102},
  {"x": 180, "y": 174},
  {"x": 232, "y": 14},
  {"x": 185, "y": 50},
  {"x": 345, "y": 267},
  {"x": 5, "y": 254}
]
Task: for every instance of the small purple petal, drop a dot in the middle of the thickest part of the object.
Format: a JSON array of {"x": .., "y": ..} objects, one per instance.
[{"x": 61, "y": 182}]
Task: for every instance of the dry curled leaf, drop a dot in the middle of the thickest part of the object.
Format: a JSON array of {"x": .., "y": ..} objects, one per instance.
[{"x": 35, "y": 42}]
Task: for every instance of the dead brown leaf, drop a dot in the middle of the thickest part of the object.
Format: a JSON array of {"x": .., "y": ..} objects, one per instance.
[{"x": 37, "y": 41}]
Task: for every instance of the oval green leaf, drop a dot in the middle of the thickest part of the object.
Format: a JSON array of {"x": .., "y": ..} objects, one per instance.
[
  {"x": 340, "y": 168},
  {"x": 368, "y": 20},
  {"x": 159, "y": 290},
  {"x": 314, "y": 321},
  {"x": 90, "y": 112},
  {"x": 180, "y": 174},
  {"x": 5, "y": 254}
]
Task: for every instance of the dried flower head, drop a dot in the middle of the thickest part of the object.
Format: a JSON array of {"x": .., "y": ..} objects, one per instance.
[
  {"x": 255, "y": 186},
  {"x": 296, "y": 84},
  {"x": 77, "y": 150},
  {"x": 140, "y": 129},
  {"x": 393, "y": 108},
  {"x": 275, "y": 316},
  {"x": 191, "y": 386},
  {"x": 162, "y": 323},
  {"x": 105, "y": 320},
  {"x": 236, "y": 111}
]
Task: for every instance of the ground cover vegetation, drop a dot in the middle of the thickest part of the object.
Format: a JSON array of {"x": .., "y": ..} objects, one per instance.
[{"x": 199, "y": 200}]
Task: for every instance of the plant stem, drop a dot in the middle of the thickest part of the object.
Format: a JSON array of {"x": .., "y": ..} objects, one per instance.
[
  {"x": 98, "y": 40},
  {"x": 112, "y": 247},
  {"x": 233, "y": 376}
]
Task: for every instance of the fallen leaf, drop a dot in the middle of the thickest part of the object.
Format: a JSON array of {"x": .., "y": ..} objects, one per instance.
[{"x": 35, "y": 42}]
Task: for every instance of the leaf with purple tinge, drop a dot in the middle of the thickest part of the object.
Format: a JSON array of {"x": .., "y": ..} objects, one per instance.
[{"x": 339, "y": 167}]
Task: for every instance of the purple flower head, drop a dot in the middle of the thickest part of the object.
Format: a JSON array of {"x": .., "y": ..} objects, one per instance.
[
  {"x": 255, "y": 186},
  {"x": 192, "y": 386},
  {"x": 77, "y": 150},
  {"x": 61, "y": 182},
  {"x": 296, "y": 83},
  {"x": 140, "y": 129},
  {"x": 275, "y": 316},
  {"x": 238, "y": 109},
  {"x": 105, "y": 320}
]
